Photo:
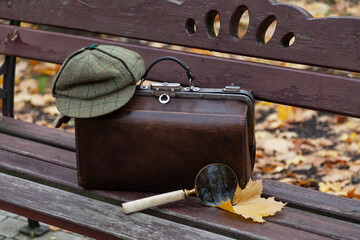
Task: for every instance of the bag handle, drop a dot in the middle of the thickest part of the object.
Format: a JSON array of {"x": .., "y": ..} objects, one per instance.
[{"x": 183, "y": 65}]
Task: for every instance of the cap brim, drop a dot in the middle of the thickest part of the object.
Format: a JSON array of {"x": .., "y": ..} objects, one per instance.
[{"x": 80, "y": 108}]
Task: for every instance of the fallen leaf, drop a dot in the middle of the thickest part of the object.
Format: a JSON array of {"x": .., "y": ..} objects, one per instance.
[
  {"x": 260, "y": 154},
  {"x": 308, "y": 183},
  {"x": 339, "y": 163},
  {"x": 288, "y": 135},
  {"x": 352, "y": 125},
  {"x": 353, "y": 194},
  {"x": 287, "y": 180},
  {"x": 324, "y": 187},
  {"x": 321, "y": 142},
  {"x": 287, "y": 113},
  {"x": 227, "y": 206},
  {"x": 276, "y": 124},
  {"x": 329, "y": 153},
  {"x": 28, "y": 117},
  {"x": 37, "y": 100},
  {"x": 33, "y": 62},
  {"x": 29, "y": 86},
  {"x": 275, "y": 145},
  {"x": 263, "y": 134},
  {"x": 355, "y": 166},
  {"x": 249, "y": 203},
  {"x": 22, "y": 97},
  {"x": 344, "y": 137},
  {"x": 21, "y": 67},
  {"x": 335, "y": 175},
  {"x": 51, "y": 110},
  {"x": 49, "y": 69},
  {"x": 295, "y": 161},
  {"x": 318, "y": 9},
  {"x": 53, "y": 228},
  {"x": 349, "y": 138},
  {"x": 330, "y": 186},
  {"x": 267, "y": 169},
  {"x": 279, "y": 169}
]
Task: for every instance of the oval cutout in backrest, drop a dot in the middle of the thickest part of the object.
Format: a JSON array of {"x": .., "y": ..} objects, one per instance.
[
  {"x": 288, "y": 39},
  {"x": 213, "y": 23},
  {"x": 190, "y": 26},
  {"x": 239, "y": 22},
  {"x": 266, "y": 29}
]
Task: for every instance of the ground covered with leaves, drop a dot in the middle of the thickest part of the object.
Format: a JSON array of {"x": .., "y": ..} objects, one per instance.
[{"x": 296, "y": 146}]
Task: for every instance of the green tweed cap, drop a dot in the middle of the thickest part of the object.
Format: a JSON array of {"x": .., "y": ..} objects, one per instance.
[{"x": 97, "y": 80}]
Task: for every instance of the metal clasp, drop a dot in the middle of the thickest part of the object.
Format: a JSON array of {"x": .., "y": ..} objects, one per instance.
[
  {"x": 164, "y": 98},
  {"x": 165, "y": 86},
  {"x": 231, "y": 89},
  {"x": 165, "y": 90}
]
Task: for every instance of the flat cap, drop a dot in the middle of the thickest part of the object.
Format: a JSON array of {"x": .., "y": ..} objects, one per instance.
[{"x": 97, "y": 80}]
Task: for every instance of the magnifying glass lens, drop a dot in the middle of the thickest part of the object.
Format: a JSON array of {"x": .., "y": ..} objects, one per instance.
[{"x": 216, "y": 183}]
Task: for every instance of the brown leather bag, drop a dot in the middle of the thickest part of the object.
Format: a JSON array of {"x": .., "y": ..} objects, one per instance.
[{"x": 164, "y": 135}]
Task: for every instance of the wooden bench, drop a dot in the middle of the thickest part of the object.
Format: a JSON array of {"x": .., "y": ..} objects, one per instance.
[{"x": 37, "y": 164}]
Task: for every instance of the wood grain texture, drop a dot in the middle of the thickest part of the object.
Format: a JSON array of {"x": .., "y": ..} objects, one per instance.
[
  {"x": 314, "y": 200},
  {"x": 60, "y": 139},
  {"x": 43, "y": 152},
  {"x": 88, "y": 216},
  {"x": 270, "y": 83},
  {"x": 192, "y": 212},
  {"x": 332, "y": 42},
  {"x": 335, "y": 228},
  {"x": 297, "y": 196}
]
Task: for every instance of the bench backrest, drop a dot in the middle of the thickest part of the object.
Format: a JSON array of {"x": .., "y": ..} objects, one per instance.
[{"x": 326, "y": 42}]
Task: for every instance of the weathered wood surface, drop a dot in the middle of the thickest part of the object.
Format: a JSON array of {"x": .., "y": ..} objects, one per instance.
[
  {"x": 47, "y": 154},
  {"x": 332, "y": 42},
  {"x": 191, "y": 211},
  {"x": 297, "y": 196},
  {"x": 60, "y": 139},
  {"x": 314, "y": 200},
  {"x": 91, "y": 217},
  {"x": 277, "y": 84}
]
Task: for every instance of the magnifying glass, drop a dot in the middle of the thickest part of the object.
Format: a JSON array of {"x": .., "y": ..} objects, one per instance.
[{"x": 214, "y": 183}]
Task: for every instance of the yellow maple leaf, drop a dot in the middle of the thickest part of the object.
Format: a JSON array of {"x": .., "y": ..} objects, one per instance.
[
  {"x": 226, "y": 206},
  {"x": 249, "y": 203},
  {"x": 286, "y": 113}
]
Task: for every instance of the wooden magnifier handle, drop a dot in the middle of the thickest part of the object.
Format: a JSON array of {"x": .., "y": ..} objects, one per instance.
[{"x": 157, "y": 200}]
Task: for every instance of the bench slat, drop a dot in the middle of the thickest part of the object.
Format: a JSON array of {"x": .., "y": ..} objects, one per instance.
[
  {"x": 297, "y": 196},
  {"x": 60, "y": 139},
  {"x": 314, "y": 200},
  {"x": 88, "y": 216},
  {"x": 164, "y": 21},
  {"x": 43, "y": 152},
  {"x": 270, "y": 83},
  {"x": 333, "y": 228}
]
